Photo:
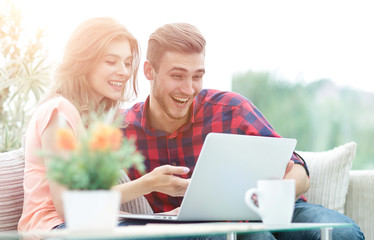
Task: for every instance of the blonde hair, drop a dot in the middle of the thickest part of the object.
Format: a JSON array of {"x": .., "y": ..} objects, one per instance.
[
  {"x": 178, "y": 37},
  {"x": 84, "y": 49}
]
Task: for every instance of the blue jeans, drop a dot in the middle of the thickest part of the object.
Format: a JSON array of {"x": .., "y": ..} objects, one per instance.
[
  {"x": 60, "y": 226},
  {"x": 310, "y": 213}
]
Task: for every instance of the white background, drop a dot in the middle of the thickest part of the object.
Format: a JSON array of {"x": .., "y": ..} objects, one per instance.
[{"x": 298, "y": 40}]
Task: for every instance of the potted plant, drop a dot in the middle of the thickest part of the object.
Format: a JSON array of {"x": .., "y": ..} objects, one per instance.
[{"x": 89, "y": 167}]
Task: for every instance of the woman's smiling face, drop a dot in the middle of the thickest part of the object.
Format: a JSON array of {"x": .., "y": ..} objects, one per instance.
[{"x": 109, "y": 76}]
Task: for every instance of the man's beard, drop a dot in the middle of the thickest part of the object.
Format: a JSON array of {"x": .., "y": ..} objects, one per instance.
[{"x": 161, "y": 101}]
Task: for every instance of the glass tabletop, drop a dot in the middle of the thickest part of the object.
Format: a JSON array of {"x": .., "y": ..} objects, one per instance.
[{"x": 168, "y": 230}]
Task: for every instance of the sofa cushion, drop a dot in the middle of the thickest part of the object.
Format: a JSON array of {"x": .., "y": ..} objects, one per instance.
[
  {"x": 329, "y": 175},
  {"x": 11, "y": 188},
  {"x": 360, "y": 200}
]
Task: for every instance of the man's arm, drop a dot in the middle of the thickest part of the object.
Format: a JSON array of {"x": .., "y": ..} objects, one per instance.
[{"x": 301, "y": 177}]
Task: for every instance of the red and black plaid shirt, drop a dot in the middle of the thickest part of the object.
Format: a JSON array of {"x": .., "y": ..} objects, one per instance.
[{"x": 211, "y": 111}]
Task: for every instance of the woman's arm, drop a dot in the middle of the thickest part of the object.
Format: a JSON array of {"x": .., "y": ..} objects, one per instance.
[
  {"x": 49, "y": 143},
  {"x": 161, "y": 179}
]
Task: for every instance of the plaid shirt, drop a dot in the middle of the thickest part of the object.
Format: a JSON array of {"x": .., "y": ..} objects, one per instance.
[{"x": 211, "y": 111}]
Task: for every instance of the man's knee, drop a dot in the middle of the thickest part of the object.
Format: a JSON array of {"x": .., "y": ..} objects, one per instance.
[
  {"x": 354, "y": 232},
  {"x": 305, "y": 212}
]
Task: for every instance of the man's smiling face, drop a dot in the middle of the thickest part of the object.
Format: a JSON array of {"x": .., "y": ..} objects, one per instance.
[{"x": 176, "y": 83}]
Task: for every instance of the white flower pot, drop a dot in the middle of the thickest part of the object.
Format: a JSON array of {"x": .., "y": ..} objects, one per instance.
[{"x": 93, "y": 210}]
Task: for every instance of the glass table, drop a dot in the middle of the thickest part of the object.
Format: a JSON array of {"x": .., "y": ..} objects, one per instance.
[{"x": 157, "y": 230}]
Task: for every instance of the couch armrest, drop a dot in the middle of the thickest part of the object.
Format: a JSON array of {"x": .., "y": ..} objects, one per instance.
[{"x": 360, "y": 200}]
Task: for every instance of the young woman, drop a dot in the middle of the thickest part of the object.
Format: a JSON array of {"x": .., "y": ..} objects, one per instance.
[{"x": 98, "y": 70}]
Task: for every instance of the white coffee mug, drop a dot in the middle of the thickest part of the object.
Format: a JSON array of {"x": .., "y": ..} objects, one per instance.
[{"x": 276, "y": 201}]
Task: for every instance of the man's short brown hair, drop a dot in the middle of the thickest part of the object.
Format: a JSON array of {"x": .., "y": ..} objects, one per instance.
[{"x": 175, "y": 37}]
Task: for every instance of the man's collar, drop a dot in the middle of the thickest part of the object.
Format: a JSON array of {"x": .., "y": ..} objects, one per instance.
[{"x": 145, "y": 123}]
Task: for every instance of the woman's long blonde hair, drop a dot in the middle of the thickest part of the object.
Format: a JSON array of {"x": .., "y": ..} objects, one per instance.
[{"x": 83, "y": 50}]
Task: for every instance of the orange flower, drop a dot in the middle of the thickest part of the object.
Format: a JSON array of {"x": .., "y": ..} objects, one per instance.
[
  {"x": 66, "y": 139},
  {"x": 105, "y": 137},
  {"x": 116, "y": 139}
]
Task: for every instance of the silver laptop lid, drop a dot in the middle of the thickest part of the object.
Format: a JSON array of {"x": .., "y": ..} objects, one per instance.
[{"x": 228, "y": 165}]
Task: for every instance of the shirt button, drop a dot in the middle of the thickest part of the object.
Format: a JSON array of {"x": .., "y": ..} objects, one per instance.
[
  {"x": 174, "y": 164},
  {"x": 171, "y": 143}
]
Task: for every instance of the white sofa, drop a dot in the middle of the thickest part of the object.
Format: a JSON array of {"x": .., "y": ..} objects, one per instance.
[
  {"x": 360, "y": 200},
  {"x": 333, "y": 185}
]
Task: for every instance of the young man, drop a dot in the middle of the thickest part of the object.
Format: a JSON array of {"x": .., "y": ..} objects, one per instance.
[{"x": 171, "y": 126}]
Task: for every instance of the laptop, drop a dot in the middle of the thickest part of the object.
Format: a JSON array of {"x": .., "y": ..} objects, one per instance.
[{"x": 228, "y": 165}]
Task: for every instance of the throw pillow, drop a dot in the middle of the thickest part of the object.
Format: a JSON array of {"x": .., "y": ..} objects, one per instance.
[
  {"x": 11, "y": 188},
  {"x": 329, "y": 175}
]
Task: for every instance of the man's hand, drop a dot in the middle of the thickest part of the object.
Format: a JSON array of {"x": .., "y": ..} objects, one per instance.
[
  {"x": 297, "y": 172},
  {"x": 175, "y": 211},
  {"x": 289, "y": 167},
  {"x": 164, "y": 179}
]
